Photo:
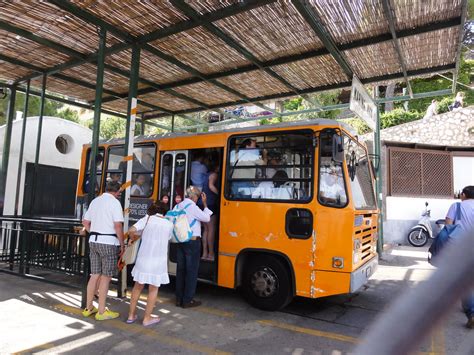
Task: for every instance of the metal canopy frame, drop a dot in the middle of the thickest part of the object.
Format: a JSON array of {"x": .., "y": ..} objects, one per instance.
[
  {"x": 390, "y": 14},
  {"x": 206, "y": 21}
]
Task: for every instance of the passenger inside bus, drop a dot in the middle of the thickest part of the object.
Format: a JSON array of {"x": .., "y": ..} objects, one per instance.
[
  {"x": 331, "y": 187},
  {"x": 198, "y": 170},
  {"x": 278, "y": 189},
  {"x": 212, "y": 189},
  {"x": 138, "y": 188},
  {"x": 274, "y": 159},
  {"x": 249, "y": 156},
  {"x": 115, "y": 177}
]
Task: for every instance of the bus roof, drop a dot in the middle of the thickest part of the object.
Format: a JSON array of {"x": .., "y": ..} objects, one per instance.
[{"x": 311, "y": 122}]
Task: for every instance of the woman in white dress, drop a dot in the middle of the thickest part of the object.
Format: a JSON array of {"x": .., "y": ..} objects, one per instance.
[{"x": 151, "y": 266}]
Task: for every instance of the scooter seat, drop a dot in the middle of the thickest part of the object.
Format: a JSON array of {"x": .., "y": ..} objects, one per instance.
[{"x": 440, "y": 221}]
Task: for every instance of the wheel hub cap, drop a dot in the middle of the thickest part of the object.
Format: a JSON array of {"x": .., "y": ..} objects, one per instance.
[{"x": 264, "y": 282}]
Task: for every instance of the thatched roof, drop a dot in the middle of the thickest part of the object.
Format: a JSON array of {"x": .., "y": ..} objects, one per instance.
[{"x": 200, "y": 55}]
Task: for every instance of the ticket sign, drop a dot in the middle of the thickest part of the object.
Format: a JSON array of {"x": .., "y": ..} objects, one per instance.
[{"x": 362, "y": 104}]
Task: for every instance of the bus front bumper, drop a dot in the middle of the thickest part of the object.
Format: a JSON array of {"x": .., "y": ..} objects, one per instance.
[{"x": 360, "y": 277}]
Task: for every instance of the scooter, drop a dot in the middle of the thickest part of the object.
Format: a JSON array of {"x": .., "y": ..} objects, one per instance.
[{"x": 419, "y": 234}]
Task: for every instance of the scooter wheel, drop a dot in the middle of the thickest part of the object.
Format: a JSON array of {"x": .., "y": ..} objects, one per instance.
[{"x": 418, "y": 237}]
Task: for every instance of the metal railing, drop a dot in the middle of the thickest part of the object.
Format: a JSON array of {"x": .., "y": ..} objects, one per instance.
[{"x": 46, "y": 244}]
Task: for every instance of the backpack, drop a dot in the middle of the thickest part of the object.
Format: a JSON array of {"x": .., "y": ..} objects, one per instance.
[
  {"x": 443, "y": 238},
  {"x": 182, "y": 232}
]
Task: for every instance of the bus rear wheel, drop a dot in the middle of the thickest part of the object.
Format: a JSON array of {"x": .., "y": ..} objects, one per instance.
[{"x": 267, "y": 284}]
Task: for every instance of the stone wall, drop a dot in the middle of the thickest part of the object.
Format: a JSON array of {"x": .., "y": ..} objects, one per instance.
[{"x": 454, "y": 128}]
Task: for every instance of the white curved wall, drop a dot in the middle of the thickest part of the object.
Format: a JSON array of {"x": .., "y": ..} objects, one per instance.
[{"x": 49, "y": 155}]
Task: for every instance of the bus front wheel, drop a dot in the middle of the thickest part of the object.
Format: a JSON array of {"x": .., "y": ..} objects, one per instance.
[{"x": 267, "y": 283}]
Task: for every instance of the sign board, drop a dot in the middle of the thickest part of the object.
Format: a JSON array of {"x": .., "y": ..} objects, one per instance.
[{"x": 362, "y": 104}]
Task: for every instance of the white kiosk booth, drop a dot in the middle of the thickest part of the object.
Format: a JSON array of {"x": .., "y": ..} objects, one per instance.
[{"x": 56, "y": 179}]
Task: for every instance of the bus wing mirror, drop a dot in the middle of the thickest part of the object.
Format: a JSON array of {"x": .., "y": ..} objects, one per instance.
[{"x": 337, "y": 148}]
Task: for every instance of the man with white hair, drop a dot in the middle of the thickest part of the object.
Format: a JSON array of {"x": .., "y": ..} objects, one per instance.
[{"x": 189, "y": 253}]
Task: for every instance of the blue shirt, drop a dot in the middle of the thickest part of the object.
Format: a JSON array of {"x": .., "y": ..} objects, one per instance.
[
  {"x": 467, "y": 214},
  {"x": 198, "y": 174}
]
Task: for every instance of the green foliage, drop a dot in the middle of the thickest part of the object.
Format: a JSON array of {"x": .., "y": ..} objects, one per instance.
[
  {"x": 398, "y": 116},
  {"x": 293, "y": 104},
  {"x": 444, "y": 103},
  {"x": 69, "y": 114},
  {"x": 438, "y": 83},
  {"x": 358, "y": 124},
  {"x": 51, "y": 108},
  {"x": 321, "y": 99},
  {"x": 110, "y": 127}
]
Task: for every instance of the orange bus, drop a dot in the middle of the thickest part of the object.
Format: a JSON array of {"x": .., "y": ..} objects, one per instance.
[{"x": 296, "y": 215}]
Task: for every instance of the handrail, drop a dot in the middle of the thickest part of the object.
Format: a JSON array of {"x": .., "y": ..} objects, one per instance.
[
  {"x": 46, "y": 220},
  {"x": 415, "y": 313}
]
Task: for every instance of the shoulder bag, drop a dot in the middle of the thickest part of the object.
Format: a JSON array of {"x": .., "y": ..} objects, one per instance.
[
  {"x": 130, "y": 253},
  {"x": 448, "y": 232}
]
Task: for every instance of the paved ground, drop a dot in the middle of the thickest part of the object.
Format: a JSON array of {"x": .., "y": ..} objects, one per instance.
[{"x": 39, "y": 317}]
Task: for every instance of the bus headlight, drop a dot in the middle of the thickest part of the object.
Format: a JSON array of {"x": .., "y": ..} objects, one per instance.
[{"x": 338, "y": 262}]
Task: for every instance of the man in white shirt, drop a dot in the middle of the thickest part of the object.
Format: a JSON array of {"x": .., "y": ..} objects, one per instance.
[
  {"x": 244, "y": 166},
  {"x": 331, "y": 188},
  {"x": 189, "y": 253},
  {"x": 103, "y": 220}
]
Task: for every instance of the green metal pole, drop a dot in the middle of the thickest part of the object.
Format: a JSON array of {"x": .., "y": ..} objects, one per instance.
[
  {"x": 128, "y": 150},
  {"x": 142, "y": 127},
  {"x": 378, "y": 186},
  {"x": 22, "y": 147},
  {"x": 40, "y": 122},
  {"x": 6, "y": 147},
  {"x": 97, "y": 107},
  {"x": 94, "y": 146}
]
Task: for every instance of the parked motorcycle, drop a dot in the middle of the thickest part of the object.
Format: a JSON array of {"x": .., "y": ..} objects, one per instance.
[{"x": 419, "y": 234}]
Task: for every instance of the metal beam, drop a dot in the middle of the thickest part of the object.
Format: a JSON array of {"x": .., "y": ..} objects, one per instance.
[
  {"x": 191, "y": 13},
  {"x": 390, "y": 15},
  {"x": 155, "y": 86},
  {"x": 312, "y": 18},
  {"x": 43, "y": 41},
  {"x": 367, "y": 41},
  {"x": 161, "y": 33},
  {"x": 70, "y": 102},
  {"x": 459, "y": 50},
  {"x": 327, "y": 108},
  {"x": 96, "y": 121},
  {"x": 457, "y": 83},
  {"x": 442, "y": 68},
  {"x": 73, "y": 53},
  {"x": 211, "y": 78},
  {"x": 202, "y": 77},
  {"x": 158, "y": 125},
  {"x": 196, "y": 120},
  {"x": 86, "y": 16},
  {"x": 73, "y": 80}
]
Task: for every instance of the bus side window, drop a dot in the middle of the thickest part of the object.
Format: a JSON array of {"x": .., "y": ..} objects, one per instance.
[
  {"x": 270, "y": 166},
  {"x": 143, "y": 167}
]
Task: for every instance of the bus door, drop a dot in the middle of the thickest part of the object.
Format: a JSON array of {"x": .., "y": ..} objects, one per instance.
[{"x": 173, "y": 177}]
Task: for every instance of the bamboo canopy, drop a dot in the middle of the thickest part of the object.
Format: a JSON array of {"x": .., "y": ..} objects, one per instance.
[{"x": 205, "y": 54}]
